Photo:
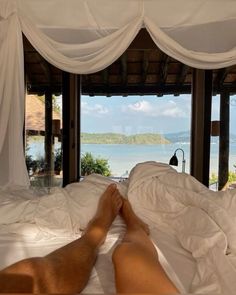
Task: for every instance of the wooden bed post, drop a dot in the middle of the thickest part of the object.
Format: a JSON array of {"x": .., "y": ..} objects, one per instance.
[
  {"x": 71, "y": 127},
  {"x": 48, "y": 138},
  {"x": 224, "y": 140},
  {"x": 201, "y": 125}
]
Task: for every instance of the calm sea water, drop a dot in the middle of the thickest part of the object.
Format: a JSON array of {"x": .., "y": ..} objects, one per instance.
[{"x": 122, "y": 158}]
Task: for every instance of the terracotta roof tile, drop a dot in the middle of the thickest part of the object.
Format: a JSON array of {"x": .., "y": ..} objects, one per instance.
[{"x": 35, "y": 114}]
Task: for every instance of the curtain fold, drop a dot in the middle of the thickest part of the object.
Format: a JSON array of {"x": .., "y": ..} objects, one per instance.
[
  {"x": 196, "y": 59},
  {"x": 86, "y": 36},
  {"x": 82, "y": 58},
  {"x": 12, "y": 164},
  {"x": 188, "y": 30}
]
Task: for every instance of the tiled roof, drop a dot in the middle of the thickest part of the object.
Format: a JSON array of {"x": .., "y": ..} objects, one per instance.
[{"x": 35, "y": 114}]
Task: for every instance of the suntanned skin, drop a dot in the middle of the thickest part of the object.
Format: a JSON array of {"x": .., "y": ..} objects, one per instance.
[
  {"x": 67, "y": 270},
  {"x": 136, "y": 263}
]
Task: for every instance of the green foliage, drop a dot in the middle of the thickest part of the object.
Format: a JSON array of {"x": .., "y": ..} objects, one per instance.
[
  {"x": 55, "y": 105},
  {"x": 34, "y": 166},
  {"x": 116, "y": 138},
  {"x": 30, "y": 163},
  {"x": 58, "y": 161},
  {"x": 231, "y": 177},
  {"x": 38, "y": 166},
  {"x": 90, "y": 165},
  {"x": 213, "y": 178}
]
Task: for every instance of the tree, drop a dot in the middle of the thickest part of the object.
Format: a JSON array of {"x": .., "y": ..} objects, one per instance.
[{"x": 90, "y": 165}]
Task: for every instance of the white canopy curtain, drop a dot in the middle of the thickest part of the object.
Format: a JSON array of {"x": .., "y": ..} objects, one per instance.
[{"x": 85, "y": 36}]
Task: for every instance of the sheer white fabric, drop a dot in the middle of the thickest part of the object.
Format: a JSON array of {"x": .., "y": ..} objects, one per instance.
[
  {"x": 12, "y": 164},
  {"x": 85, "y": 36}
]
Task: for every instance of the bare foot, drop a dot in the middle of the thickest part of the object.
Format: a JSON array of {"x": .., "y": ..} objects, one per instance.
[
  {"x": 131, "y": 219},
  {"x": 108, "y": 208}
]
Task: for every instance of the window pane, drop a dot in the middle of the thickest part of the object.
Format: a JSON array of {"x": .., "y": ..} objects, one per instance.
[
  {"x": 35, "y": 142},
  {"x": 129, "y": 130}
]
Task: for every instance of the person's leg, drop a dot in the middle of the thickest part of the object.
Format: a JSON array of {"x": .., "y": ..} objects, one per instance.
[
  {"x": 67, "y": 269},
  {"x": 136, "y": 264}
]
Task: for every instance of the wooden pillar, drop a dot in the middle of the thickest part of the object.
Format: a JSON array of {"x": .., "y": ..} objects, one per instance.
[
  {"x": 48, "y": 140},
  {"x": 71, "y": 127},
  {"x": 201, "y": 125},
  {"x": 224, "y": 140}
]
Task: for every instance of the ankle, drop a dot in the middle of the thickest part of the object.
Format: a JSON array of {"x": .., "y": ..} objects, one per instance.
[{"x": 95, "y": 234}]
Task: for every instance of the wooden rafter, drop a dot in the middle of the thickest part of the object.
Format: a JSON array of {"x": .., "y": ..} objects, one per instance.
[
  {"x": 124, "y": 75},
  {"x": 105, "y": 77},
  {"x": 181, "y": 78},
  {"x": 145, "y": 66},
  {"x": 220, "y": 78},
  {"x": 136, "y": 90},
  {"x": 183, "y": 73},
  {"x": 163, "y": 73},
  {"x": 164, "y": 69}
]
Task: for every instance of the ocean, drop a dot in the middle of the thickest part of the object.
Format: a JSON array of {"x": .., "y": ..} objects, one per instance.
[{"x": 123, "y": 157}]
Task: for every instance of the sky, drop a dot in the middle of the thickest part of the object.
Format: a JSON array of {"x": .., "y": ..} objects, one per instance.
[{"x": 143, "y": 114}]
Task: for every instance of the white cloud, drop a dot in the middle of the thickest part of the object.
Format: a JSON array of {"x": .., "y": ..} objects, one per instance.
[
  {"x": 140, "y": 106},
  {"x": 173, "y": 111},
  {"x": 96, "y": 109},
  {"x": 165, "y": 108}
]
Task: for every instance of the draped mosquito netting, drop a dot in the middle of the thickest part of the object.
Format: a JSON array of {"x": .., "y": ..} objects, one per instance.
[{"x": 85, "y": 36}]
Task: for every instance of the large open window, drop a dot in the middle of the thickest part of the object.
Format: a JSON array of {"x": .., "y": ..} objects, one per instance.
[{"x": 125, "y": 131}]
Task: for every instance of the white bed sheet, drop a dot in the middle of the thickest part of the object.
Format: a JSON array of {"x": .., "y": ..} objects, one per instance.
[
  {"x": 177, "y": 262},
  {"x": 33, "y": 226}
]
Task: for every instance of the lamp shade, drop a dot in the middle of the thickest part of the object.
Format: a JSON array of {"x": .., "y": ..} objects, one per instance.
[{"x": 174, "y": 160}]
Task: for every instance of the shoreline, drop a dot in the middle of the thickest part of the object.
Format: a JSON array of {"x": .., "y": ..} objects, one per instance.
[{"x": 123, "y": 157}]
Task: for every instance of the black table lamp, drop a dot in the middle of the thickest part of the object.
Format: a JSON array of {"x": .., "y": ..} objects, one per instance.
[{"x": 174, "y": 160}]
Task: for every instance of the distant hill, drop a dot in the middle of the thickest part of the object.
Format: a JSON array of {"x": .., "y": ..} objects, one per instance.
[
  {"x": 184, "y": 136},
  {"x": 146, "y": 138},
  {"x": 116, "y": 138}
]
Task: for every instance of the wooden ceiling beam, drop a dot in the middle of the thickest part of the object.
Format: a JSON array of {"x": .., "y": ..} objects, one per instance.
[
  {"x": 124, "y": 90},
  {"x": 124, "y": 75},
  {"x": 220, "y": 78},
  {"x": 105, "y": 76},
  {"x": 183, "y": 73},
  {"x": 181, "y": 78},
  {"x": 145, "y": 66},
  {"x": 45, "y": 66},
  {"x": 46, "y": 70},
  {"x": 40, "y": 89},
  {"x": 164, "y": 69},
  {"x": 135, "y": 90},
  {"x": 164, "y": 64},
  {"x": 142, "y": 41}
]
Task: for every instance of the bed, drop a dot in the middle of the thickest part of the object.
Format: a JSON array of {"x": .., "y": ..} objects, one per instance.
[{"x": 192, "y": 228}]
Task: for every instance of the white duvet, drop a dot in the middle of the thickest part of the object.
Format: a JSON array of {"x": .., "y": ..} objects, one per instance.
[
  {"x": 192, "y": 226},
  {"x": 202, "y": 220}
]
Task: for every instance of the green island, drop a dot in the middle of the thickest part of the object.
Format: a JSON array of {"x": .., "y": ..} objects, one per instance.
[{"x": 116, "y": 138}]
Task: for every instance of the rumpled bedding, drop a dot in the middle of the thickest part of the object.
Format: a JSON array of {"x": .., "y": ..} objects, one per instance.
[
  {"x": 62, "y": 212},
  {"x": 202, "y": 220},
  {"x": 177, "y": 205}
]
